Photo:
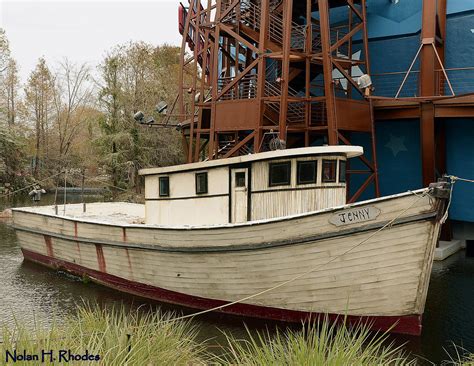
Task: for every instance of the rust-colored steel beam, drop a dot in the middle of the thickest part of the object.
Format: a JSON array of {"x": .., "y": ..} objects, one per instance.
[
  {"x": 261, "y": 80},
  {"x": 285, "y": 74},
  {"x": 433, "y": 18},
  {"x": 325, "y": 30},
  {"x": 239, "y": 145}
]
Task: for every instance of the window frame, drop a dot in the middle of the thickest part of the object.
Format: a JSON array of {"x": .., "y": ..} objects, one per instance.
[
  {"x": 271, "y": 166},
  {"x": 237, "y": 180},
  {"x": 298, "y": 170},
  {"x": 164, "y": 179},
  {"x": 334, "y": 163},
  {"x": 206, "y": 182},
  {"x": 342, "y": 163}
]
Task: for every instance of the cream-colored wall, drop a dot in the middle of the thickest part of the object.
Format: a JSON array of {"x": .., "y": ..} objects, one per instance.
[
  {"x": 294, "y": 198},
  {"x": 197, "y": 211},
  {"x": 184, "y": 206}
]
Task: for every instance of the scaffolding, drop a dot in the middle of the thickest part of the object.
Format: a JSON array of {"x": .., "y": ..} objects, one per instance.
[{"x": 274, "y": 70}]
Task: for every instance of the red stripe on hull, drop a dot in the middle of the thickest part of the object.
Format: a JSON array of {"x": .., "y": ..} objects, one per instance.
[
  {"x": 408, "y": 324},
  {"x": 49, "y": 245}
]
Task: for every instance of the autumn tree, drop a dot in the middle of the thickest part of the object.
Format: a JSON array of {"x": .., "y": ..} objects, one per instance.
[
  {"x": 135, "y": 77},
  {"x": 12, "y": 141},
  {"x": 39, "y": 101},
  {"x": 4, "y": 50},
  {"x": 9, "y": 82},
  {"x": 11, "y": 85},
  {"x": 73, "y": 97}
]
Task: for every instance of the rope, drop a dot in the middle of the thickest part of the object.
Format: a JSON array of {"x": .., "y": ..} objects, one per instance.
[
  {"x": 29, "y": 185},
  {"x": 388, "y": 224},
  {"x": 426, "y": 192},
  {"x": 453, "y": 180}
]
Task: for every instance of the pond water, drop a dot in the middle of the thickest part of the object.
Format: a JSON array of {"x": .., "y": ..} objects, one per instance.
[{"x": 33, "y": 293}]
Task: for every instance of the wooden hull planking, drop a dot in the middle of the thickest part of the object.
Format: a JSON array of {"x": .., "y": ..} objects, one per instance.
[{"x": 383, "y": 280}]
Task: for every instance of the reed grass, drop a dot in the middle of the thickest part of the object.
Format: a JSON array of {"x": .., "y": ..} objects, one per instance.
[
  {"x": 138, "y": 337},
  {"x": 119, "y": 336},
  {"x": 320, "y": 343}
]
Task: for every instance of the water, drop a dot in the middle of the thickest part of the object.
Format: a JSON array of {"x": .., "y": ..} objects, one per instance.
[{"x": 29, "y": 291}]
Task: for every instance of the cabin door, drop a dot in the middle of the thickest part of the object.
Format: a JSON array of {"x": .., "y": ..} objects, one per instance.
[{"x": 239, "y": 194}]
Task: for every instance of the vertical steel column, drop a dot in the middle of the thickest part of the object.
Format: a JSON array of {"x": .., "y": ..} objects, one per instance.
[
  {"x": 371, "y": 107},
  {"x": 432, "y": 11},
  {"x": 215, "y": 72},
  {"x": 325, "y": 30},
  {"x": 197, "y": 41},
  {"x": 261, "y": 70},
  {"x": 287, "y": 20},
  {"x": 308, "y": 52}
]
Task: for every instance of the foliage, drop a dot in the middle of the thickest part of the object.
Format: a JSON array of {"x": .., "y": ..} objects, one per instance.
[
  {"x": 68, "y": 120},
  {"x": 11, "y": 155},
  {"x": 154, "y": 338},
  {"x": 135, "y": 77},
  {"x": 316, "y": 344}
]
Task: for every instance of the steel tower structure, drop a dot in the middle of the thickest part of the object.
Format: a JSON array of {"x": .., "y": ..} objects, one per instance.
[{"x": 281, "y": 72}]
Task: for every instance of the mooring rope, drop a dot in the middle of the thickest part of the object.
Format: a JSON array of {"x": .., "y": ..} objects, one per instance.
[
  {"x": 30, "y": 185},
  {"x": 389, "y": 224},
  {"x": 453, "y": 179}
]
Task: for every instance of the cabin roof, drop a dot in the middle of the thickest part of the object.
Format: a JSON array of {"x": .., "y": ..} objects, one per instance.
[{"x": 349, "y": 151}]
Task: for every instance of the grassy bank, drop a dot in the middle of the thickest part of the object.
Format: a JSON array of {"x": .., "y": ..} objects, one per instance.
[
  {"x": 132, "y": 337},
  {"x": 118, "y": 336},
  {"x": 317, "y": 344}
]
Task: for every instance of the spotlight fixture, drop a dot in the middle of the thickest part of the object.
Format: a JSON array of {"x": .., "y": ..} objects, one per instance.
[
  {"x": 161, "y": 107},
  {"x": 364, "y": 81},
  {"x": 139, "y": 117}
]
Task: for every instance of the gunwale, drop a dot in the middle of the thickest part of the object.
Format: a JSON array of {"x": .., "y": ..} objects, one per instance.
[{"x": 36, "y": 211}]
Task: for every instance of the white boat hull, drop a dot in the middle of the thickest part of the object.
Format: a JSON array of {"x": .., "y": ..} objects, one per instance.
[{"x": 349, "y": 269}]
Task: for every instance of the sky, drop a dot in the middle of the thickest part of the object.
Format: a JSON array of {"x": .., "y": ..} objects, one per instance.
[{"x": 83, "y": 30}]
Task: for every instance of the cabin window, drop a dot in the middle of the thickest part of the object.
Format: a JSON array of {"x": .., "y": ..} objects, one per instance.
[
  {"x": 201, "y": 183},
  {"x": 280, "y": 174},
  {"x": 164, "y": 186},
  {"x": 342, "y": 171},
  {"x": 329, "y": 171},
  {"x": 240, "y": 179},
  {"x": 306, "y": 172}
]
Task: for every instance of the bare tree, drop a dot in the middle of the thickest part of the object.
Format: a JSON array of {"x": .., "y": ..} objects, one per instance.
[
  {"x": 39, "y": 93},
  {"x": 11, "y": 87},
  {"x": 72, "y": 98}
]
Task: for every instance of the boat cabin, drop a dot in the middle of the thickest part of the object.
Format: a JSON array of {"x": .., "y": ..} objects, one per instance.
[{"x": 247, "y": 188}]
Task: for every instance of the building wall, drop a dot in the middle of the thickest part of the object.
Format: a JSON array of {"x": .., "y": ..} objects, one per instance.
[
  {"x": 394, "y": 32},
  {"x": 460, "y": 162}
]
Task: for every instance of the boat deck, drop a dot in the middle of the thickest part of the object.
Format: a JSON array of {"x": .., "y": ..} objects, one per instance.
[{"x": 116, "y": 213}]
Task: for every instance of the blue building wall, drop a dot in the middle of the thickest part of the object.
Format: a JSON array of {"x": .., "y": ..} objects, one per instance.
[
  {"x": 460, "y": 162},
  {"x": 394, "y": 33},
  {"x": 398, "y": 156}
]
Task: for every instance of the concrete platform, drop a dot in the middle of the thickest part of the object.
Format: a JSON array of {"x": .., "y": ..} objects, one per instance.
[{"x": 447, "y": 248}]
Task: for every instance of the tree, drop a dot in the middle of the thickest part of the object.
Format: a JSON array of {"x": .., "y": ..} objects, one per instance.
[
  {"x": 72, "y": 99},
  {"x": 4, "y": 51},
  {"x": 39, "y": 98},
  {"x": 11, "y": 86},
  {"x": 9, "y": 82},
  {"x": 136, "y": 76}
]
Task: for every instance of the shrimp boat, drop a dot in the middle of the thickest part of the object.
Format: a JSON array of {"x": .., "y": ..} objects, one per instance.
[{"x": 266, "y": 235}]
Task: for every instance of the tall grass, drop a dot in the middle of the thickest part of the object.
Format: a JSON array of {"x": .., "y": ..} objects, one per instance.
[
  {"x": 136, "y": 337},
  {"x": 120, "y": 337},
  {"x": 316, "y": 344}
]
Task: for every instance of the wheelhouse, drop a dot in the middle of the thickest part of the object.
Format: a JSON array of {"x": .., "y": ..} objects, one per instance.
[{"x": 248, "y": 188}]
